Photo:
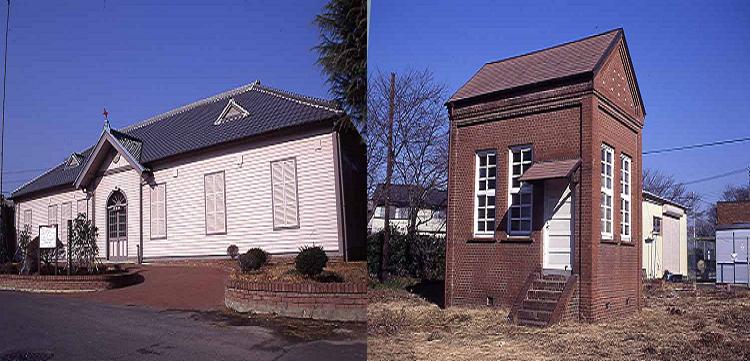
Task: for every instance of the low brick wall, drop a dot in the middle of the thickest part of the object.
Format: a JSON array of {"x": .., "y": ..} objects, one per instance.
[
  {"x": 325, "y": 301},
  {"x": 53, "y": 284}
]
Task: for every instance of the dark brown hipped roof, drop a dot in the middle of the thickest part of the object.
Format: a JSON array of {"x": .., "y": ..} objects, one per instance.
[
  {"x": 550, "y": 170},
  {"x": 561, "y": 61}
]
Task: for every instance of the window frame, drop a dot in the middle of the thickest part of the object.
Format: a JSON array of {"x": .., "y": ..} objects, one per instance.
[
  {"x": 151, "y": 213},
  {"x": 521, "y": 189},
  {"x": 626, "y": 197},
  {"x": 30, "y": 223},
  {"x": 296, "y": 195},
  {"x": 487, "y": 192},
  {"x": 606, "y": 192},
  {"x": 653, "y": 225},
  {"x": 86, "y": 205},
  {"x": 56, "y": 208},
  {"x": 205, "y": 203}
]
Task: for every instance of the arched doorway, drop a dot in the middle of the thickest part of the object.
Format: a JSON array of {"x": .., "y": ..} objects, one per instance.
[{"x": 117, "y": 226}]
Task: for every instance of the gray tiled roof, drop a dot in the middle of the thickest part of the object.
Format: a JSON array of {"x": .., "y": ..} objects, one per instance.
[
  {"x": 561, "y": 61},
  {"x": 191, "y": 128}
]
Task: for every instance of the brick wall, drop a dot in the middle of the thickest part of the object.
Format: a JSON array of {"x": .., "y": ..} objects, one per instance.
[
  {"x": 67, "y": 283},
  {"x": 569, "y": 121},
  {"x": 728, "y": 213},
  {"x": 333, "y": 301}
]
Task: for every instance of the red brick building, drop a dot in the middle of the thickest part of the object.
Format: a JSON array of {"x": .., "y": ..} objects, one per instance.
[
  {"x": 544, "y": 184},
  {"x": 729, "y": 213}
]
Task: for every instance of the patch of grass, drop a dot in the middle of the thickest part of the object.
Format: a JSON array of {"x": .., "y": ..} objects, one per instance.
[{"x": 678, "y": 323}]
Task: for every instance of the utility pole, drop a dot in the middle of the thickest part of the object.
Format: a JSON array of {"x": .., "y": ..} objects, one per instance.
[
  {"x": 2, "y": 131},
  {"x": 383, "y": 269}
]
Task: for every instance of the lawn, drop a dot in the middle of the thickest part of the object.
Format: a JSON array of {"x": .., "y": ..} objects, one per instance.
[{"x": 706, "y": 324}]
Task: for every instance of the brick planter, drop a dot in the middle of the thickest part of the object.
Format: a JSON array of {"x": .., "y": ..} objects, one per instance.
[
  {"x": 60, "y": 284},
  {"x": 325, "y": 301}
]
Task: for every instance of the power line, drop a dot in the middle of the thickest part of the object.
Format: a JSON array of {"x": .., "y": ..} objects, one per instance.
[
  {"x": 696, "y": 146},
  {"x": 722, "y": 175}
]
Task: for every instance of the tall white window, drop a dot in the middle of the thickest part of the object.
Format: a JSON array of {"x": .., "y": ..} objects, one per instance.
[
  {"x": 65, "y": 213},
  {"x": 215, "y": 203},
  {"x": 52, "y": 215},
  {"x": 520, "y": 194},
  {"x": 486, "y": 182},
  {"x": 625, "y": 197},
  {"x": 284, "y": 186},
  {"x": 159, "y": 211},
  {"x": 606, "y": 191},
  {"x": 81, "y": 207},
  {"x": 27, "y": 219}
]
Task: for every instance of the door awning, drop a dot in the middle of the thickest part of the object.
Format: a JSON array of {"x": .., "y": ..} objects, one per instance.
[{"x": 551, "y": 170}]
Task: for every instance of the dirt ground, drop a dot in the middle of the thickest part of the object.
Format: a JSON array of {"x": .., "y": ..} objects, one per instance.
[{"x": 675, "y": 324}]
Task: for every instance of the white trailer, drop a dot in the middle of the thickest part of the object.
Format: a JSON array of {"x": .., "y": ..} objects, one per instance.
[{"x": 732, "y": 253}]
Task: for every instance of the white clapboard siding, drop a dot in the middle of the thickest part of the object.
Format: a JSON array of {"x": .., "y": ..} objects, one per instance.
[
  {"x": 249, "y": 213},
  {"x": 40, "y": 205},
  {"x": 128, "y": 181},
  {"x": 248, "y": 204}
]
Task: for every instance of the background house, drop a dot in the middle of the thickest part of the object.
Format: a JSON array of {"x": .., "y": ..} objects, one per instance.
[
  {"x": 429, "y": 206},
  {"x": 254, "y": 166},
  {"x": 664, "y": 236},
  {"x": 732, "y": 241}
]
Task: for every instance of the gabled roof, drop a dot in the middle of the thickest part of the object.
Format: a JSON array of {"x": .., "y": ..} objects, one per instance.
[
  {"x": 191, "y": 127},
  {"x": 400, "y": 194},
  {"x": 108, "y": 141},
  {"x": 562, "y": 61}
]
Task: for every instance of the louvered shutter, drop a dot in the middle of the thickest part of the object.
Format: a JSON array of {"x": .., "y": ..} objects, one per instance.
[
  {"x": 81, "y": 207},
  {"x": 219, "y": 202},
  {"x": 284, "y": 189},
  {"x": 290, "y": 193}
]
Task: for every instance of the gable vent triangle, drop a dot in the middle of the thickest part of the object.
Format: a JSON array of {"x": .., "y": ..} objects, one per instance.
[{"x": 232, "y": 111}]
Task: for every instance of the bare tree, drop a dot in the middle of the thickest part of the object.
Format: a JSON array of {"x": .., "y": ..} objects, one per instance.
[
  {"x": 420, "y": 136},
  {"x": 665, "y": 186},
  {"x": 705, "y": 222}
]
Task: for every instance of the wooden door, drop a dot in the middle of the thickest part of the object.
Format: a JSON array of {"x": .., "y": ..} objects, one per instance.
[{"x": 117, "y": 227}]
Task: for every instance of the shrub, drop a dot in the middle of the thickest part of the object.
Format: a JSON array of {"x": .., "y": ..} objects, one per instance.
[
  {"x": 253, "y": 260},
  {"x": 233, "y": 251},
  {"x": 311, "y": 260},
  {"x": 83, "y": 247},
  {"x": 418, "y": 256}
]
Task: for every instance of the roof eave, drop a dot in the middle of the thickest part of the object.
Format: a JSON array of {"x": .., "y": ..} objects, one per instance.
[{"x": 106, "y": 137}]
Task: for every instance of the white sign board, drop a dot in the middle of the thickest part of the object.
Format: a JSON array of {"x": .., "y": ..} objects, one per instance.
[{"x": 47, "y": 236}]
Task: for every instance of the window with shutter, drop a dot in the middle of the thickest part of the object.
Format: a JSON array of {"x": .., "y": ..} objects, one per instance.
[
  {"x": 215, "y": 203},
  {"x": 52, "y": 215},
  {"x": 284, "y": 193},
  {"x": 27, "y": 219},
  {"x": 159, "y": 211},
  {"x": 67, "y": 210},
  {"x": 81, "y": 208}
]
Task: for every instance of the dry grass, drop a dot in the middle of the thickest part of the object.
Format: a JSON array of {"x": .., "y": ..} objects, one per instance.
[
  {"x": 350, "y": 272},
  {"x": 706, "y": 324}
]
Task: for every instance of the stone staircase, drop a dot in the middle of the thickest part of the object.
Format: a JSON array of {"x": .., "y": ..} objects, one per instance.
[{"x": 543, "y": 300}]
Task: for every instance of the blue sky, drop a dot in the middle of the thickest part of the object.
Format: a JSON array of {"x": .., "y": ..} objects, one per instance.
[
  {"x": 67, "y": 60},
  {"x": 690, "y": 58}
]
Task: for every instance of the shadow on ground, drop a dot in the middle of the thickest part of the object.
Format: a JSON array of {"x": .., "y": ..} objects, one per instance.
[
  {"x": 293, "y": 329},
  {"x": 431, "y": 290}
]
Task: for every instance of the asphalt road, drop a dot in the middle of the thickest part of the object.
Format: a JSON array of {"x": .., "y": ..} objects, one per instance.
[{"x": 49, "y": 327}]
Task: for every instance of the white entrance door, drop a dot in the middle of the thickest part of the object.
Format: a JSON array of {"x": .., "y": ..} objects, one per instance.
[{"x": 558, "y": 215}]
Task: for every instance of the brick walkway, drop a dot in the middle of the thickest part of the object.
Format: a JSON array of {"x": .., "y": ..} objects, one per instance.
[{"x": 169, "y": 286}]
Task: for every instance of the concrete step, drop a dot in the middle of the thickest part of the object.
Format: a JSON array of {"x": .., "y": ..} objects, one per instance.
[
  {"x": 534, "y": 315},
  {"x": 532, "y": 323},
  {"x": 546, "y": 285},
  {"x": 543, "y": 295},
  {"x": 539, "y": 305},
  {"x": 555, "y": 277}
]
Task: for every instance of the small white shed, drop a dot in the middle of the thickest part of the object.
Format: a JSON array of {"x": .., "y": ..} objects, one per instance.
[{"x": 732, "y": 253}]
